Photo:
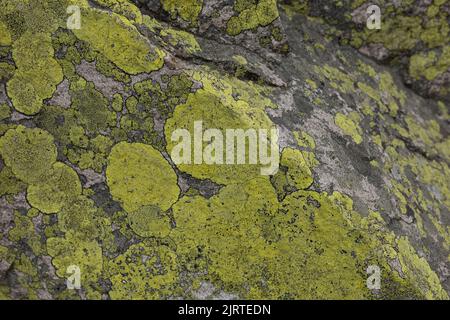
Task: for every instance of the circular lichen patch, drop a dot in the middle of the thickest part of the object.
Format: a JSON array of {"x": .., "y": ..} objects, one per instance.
[
  {"x": 138, "y": 175},
  {"x": 29, "y": 152},
  {"x": 50, "y": 195},
  {"x": 149, "y": 221}
]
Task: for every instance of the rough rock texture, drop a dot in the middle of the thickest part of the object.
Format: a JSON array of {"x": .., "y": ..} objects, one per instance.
[
  {"x": 88, "y": 179},
  {"x": 414, "y": 36}
]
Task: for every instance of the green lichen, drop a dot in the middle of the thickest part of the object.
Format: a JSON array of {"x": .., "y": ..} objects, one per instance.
[
  {"x": 257, "y": 237},
  {"x": 399, "y": 33},
  {"x": 9, "y": 184},
  {"x": 311, "y": 84},
  {"x": 152, "y": 95},
  {"x": 218, "y": 109},
  {"x": 117, "y": 102},
  {"x": 298, "y": 173},
  {"x": 124, "y": 46},
  {"x": 73, "y": 251},
  {"x": 144, "y": 271},
  {"x": 30, "y": 153},
  {"x": 122, "y": 7},
  {"x": 418, "y": 270},
  {"x": 37, "y": 73},
  {"x": 5, "y": 36},
  {"x": 6, "y": 71},
  {"x": 350, "y": 125},
  {"x": 220, "y": 235},
  {"x": 304, "y": 139},
  {"x": 60, "y": 187},
  {"x": 38, "y": 16},
  {"x": 109, "y": 69},
  {"x": 148, "y": 221},
  {"x": 188, "y": 10},
  {"x": 293, "y": 8},
  {"x": 182, "y": 39},
  {"x": 251, "y": 15},
  {"x": 338, "y": 78},
  {"x": 5, "y": 112},
  {"x": 138, "y": 175},
  {"x": 24, "y": 231},
  {"x": 94, "y": 114},
  {"x": 240, "y": 60},
  {"x": 81, "y": 217},
  {"x": 429, "y": 65}
]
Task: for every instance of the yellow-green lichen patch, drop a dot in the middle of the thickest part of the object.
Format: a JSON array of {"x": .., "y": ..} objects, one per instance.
[
  {"x": 9, "y": 184},
  {"x": 313, "y": 246},
  {"x": 188, "y": 10},
  {"x": 117, "y": 102},
  {"x": 337, "y": 78},
  {"x": 5, "y": 36},
  {"x": 124, "y": 8},
  {"x": 60, "y": 187},
  {"x": 295, "y": 7},
  {"x": 298, "y": 173},
  {"x": 24, "y": 231},
  {"x": 144, "y": 271},
  {"x": 221, "y": 104},
  {"x": 227, "y": 234},
  {"x": 311, "y": 84},
  {"x": 429, "y": 65},
  {"x": 138, "y": 175},
  {"x": 6, "y": 71},
  {"x": 350, "y": 125},
  {"x": 240, "y": 60},
  {"x": 92, "y": 107},
  {"x": 304, "y": 140},
  {"x": 37, "y": 16},
  {"x": 327, "y": 251},
  {"x": 149, "y": 221},
  {"x": 30, "y": 153},
  {"x": 399, "y": 33},
  {"x": 387, "y": 96},
  {"x": 37, "y": 73},
  {"x": 119, "y": 41},
  {"x": 5, "y": 112},
  {"x": 73, "y": 251},
  {"x": 332, "y": 246},
  {"x": 252, "y": 14},
  {"x": 81, "y": 217},
  {"x": 179, "y": 38},
  {"x": 80, "y": 149},
  {"x": 420, "y": 273}
]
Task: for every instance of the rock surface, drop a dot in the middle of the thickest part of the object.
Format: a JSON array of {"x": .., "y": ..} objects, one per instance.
[{"x": 88, "y": 176}]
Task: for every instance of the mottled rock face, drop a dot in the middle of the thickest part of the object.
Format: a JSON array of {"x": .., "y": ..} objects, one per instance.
[
  {"x": 92, "y": 186},
  {"x": 414, "y": 36}
]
